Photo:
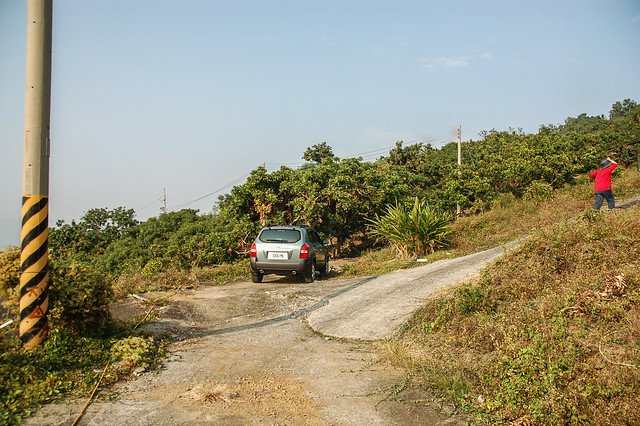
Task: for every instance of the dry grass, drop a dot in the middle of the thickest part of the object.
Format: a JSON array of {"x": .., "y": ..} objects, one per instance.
[
  {"x": 169, "y": 280},
  {"x": 511, "y": 219},
  {"x": 375, "y": 262},
  {"x": 551, "y": 333},
  {"x": 223, "y": 274},
  {"x": 181, "y": 280}
]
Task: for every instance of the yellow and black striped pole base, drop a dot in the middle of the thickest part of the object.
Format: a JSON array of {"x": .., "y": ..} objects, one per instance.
[{"x": 34, "y": 266}]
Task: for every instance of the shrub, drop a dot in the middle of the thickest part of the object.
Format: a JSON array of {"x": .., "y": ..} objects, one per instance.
[
  {"x": 63, "y": 365},
  {"x": 10, "y": 276},
  {"x": 80, "y": 298},
  {"x": 418, "y": 230},
  {"x": 132, "y": 352},
  {"x": 538, "y": 191}
]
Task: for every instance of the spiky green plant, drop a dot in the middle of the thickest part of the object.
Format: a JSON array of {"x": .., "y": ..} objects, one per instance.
[{"x": 416, "y": 230}]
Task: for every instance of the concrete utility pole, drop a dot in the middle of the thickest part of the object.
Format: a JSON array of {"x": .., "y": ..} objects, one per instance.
[
  {"x": 34, "y": 257},
  {"x": 459, "y": 163}
]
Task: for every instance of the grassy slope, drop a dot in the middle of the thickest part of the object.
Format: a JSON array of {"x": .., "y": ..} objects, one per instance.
[{"x": 551, "y": 333}]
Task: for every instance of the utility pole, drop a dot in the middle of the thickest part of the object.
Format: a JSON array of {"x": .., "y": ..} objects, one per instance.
[
  {"x": 459, "y": 163},
  {"x": 163, "y": 209},
  {"x": 34, "y": 256}
]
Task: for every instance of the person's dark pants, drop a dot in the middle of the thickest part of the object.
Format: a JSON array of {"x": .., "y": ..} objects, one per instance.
[{"x": 604, "y": 195}]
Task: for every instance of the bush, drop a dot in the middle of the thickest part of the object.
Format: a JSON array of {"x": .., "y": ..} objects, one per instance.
[
  {"x": 79, "y": 295},
  {"x": 132, "y": 352},
  {"x": 80, "y": 298},
  {"x": 538, "y": 191},
  {"x": 64, "y": 364},
  {"x": 10, "y": 276},
  {"x": 419, "y": 230},
  {"x": 504, "y": 200}
]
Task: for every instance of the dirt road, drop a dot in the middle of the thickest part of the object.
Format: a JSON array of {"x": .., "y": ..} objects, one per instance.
[{"x": 279, "y": 353}]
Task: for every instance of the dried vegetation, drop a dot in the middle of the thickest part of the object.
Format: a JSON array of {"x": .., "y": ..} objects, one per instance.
[{"x": 548, "y": 335}]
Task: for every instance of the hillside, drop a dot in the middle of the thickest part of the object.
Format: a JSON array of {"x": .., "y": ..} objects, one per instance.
[{"x": 548, "y": 335}]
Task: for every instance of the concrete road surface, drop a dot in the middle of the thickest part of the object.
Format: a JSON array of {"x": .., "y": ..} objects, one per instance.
[{"x": 376, "y": 308}]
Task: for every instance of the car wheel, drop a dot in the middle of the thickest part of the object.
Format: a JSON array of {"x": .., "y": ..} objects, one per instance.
[
  {"x": 327, "y": 268},
  {"x": 310, "y": 276},
  {"x": 257, "y": 278}
]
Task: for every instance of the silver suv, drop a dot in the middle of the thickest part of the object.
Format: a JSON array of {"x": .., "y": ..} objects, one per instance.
[{"x": 289, "y": 250}]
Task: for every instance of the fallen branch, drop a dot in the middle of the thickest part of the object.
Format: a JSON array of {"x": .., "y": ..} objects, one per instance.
[
  {"x": 92, "y": 394},
  {"x": 135, "y": 296},
  {"x": 622, "y": 364},
  {"x": 143, "y": 319}
]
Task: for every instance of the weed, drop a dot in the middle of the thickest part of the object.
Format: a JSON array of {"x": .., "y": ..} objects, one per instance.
[{"x": 132, "y": 352}]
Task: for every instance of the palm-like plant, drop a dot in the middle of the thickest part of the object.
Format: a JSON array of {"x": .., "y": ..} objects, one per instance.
[{"x": 416, "y": 230}]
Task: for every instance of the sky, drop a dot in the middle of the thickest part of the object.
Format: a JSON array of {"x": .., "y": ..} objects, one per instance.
[{"x": 189, "y": 96}]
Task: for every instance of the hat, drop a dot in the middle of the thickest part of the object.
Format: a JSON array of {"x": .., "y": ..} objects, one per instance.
[{"x": 605, "y": 163}]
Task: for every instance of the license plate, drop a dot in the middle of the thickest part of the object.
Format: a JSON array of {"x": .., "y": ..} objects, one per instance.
[{"x": 277, "y": 255}]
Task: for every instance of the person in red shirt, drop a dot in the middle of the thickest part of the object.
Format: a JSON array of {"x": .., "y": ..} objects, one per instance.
[{"x": 602, "y": 185}]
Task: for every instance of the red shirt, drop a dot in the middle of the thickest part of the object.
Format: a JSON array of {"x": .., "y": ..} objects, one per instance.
[{"x": 603, "y": 178}]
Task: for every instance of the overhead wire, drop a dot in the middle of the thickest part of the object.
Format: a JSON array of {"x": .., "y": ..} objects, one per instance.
[
  {"x": 378, "y": 151},
  {"x": 299, "y": 163},
  {"x": 179, "y": 206},
  {"x": 366, "y": 156},
  {"x": 149, "y": 205}
]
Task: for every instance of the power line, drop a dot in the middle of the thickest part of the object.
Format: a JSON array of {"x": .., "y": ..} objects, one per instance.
[
  {"x": 283, "y": 164},
  {"x": 346, "y": 156},
  {"x": 369, "y": 155},
  {"x": 366, "y": 155},
  {"x": 149, "y": 205},
  {"x": 369, "y": 152},
  {"x": 179, "y": 206},
  {"x": 374, "y": 153}
]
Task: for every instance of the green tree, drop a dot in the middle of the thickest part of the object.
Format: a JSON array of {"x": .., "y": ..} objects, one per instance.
[
  {"x": 622, "y": 108},
  {"x": 319, "y": 152},
  {"x": 94, "y": 232}
]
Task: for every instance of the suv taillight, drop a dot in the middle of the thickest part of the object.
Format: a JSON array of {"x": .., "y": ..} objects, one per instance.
[
  {"x": 254, "y": 251},
  {"x": 304, "y": 251}
]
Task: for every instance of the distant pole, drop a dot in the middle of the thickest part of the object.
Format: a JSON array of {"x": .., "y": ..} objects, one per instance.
[
  {"x": 34, "y": 256},
  {"x": 459, "y": 163},
  {"x": 163, "y": 209}
]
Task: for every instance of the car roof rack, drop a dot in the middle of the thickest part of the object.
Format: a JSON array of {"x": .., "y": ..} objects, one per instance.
[{"x": 276, "y": 225}]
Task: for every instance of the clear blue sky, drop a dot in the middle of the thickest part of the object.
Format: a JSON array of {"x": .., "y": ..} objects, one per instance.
[{"x": 192, "y": 95}]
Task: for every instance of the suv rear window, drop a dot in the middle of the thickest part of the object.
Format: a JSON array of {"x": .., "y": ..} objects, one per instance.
[{"x": 280, "y": 236}]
